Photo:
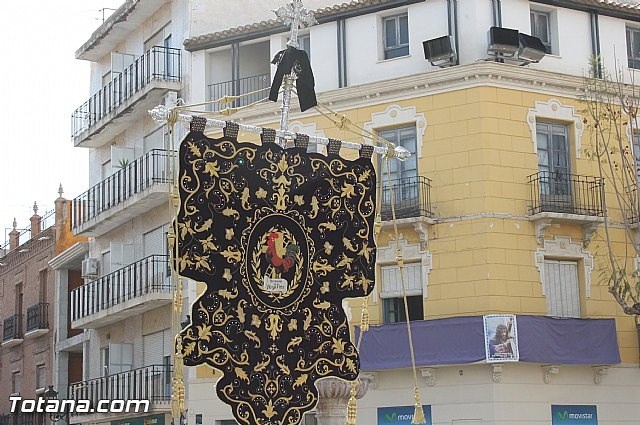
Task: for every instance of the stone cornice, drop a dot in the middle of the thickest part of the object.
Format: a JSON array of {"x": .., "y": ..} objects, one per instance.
[
  {"x": 483, "y": 74},
  {"x": 72, "y": 253},
  {"x": 23, "y": 253}
]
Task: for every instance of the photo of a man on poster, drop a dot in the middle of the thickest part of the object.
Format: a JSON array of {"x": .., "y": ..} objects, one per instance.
[{"x": 500, "y": 333}]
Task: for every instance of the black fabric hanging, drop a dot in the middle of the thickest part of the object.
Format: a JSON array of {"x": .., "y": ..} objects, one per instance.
[
  {"x": 280, "y": 237},
  {"x": 286, "y": 60}
]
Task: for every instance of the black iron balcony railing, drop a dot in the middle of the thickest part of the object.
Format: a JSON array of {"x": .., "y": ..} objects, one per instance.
[
  {"x": 148, "y": 170},
  {"x": 152, "y": 383},
  {"x": 22, "y": 419},
  {"x": 566, "y": 193},
  {"x": 158, "y": 64},
  {"x": 38, "y": 317},
  {"x": 146, "y": 276},
  {"x": 411, "y": 197},
  {"x": 239, "y": 87},
  {"x": 12, "y": 328}
]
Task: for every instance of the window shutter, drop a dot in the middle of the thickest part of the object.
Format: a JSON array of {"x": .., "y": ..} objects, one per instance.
[
  {"x": 392, "y": 284},
  {"x": 156, "y": 346},
  {"x": 155, "y": 242},
  {"x": 563, "y": 296}
]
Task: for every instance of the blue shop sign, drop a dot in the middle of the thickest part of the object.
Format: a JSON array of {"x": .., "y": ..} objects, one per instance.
[
  {"x": 402, "y": 415},
  {"x": 575, "y": 414}
]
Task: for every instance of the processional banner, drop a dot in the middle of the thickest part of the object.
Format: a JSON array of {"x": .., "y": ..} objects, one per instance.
[{"x": 280, "y": 237}]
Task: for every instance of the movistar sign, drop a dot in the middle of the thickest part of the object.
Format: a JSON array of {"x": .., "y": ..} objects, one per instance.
[
  {"x": 402, "y": 415},
  {"x": 574, "y": 414}
]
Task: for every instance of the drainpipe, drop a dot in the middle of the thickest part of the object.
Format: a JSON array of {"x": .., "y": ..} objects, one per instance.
[
  {"x": 497, "y": 12},
  {"x": 452, "y": 12}
]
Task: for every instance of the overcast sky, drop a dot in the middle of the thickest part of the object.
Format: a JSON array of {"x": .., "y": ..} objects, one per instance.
[{"x": 42, "y": 84}]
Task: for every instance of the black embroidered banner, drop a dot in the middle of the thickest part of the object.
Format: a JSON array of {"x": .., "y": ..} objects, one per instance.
[{"x": 280, "y": 237}]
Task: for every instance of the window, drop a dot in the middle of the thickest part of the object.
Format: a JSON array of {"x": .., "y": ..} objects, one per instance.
[
  {"x": 43, "y": 285},
  {"x": 392, "y": 294},
  {"x": 16, "y": 382},
  {"x": 403, "y": 175},
  {"x": 563, "y": 295},
  {"x": 396, "y": 36},
  {"x": 553, "y": 158},
  {"x": 541, "y": 28},
  {"x": 633, "y": 47},
  {"x": 117, "y": 358},
  {"x": 393, "y": 309},
  {"x": 154, "y": 140},
  {"x": 41, "y": 376},
  {"x": 305, "y": 44}
]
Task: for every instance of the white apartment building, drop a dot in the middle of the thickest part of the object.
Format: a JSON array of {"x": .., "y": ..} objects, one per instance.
[{"x": 368, "y": 61}]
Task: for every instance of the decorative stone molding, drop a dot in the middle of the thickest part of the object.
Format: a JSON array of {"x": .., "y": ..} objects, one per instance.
[
  {"x": 548, "y": 371},
  {"x": 496, "y": 372},
  {"x": 545, "y": 219},
  {"x": 541, "y": 225},
  {"x": 599, "y": 371},
  {"x": 556, "y": 111},
  {"x": 393, "y": 116},
  {"x": 562, "y": 247},
  {"x": 387, "y": 256},
  {"x": 421, "y": 230},
  {"x": 429, "y": 375}
]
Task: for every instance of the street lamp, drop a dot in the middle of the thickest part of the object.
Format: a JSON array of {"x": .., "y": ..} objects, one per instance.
[{"x": 52, "y": 394}]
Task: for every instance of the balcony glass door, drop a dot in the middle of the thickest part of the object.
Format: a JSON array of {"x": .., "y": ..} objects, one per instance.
[
  {"x": 553, "y": 164},
  {"x": 403, "y": 175}
]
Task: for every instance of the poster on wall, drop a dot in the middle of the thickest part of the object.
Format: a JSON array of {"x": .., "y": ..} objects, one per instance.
[
  {"x": 501, "y": 338},
  {"x": 401, "y": 415},
  {"x": 586, "y": 414}
]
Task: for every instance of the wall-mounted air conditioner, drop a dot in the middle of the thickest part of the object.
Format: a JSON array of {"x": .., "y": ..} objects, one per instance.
[{"x": 90, "y": 267}]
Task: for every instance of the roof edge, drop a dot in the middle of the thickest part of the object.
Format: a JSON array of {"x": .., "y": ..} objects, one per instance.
[{"x": 120, "y": 15}]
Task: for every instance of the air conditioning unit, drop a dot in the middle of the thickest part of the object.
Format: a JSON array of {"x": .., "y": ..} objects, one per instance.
[
  {"x": 90, "y": 267},
  {"x": 170, "y": 99}
]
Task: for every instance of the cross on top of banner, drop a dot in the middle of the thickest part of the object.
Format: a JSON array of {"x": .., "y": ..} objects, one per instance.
[{"x": 295, "y": 15}]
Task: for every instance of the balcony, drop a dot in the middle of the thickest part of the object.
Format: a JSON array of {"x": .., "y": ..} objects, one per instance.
[
  {"x": 242, "y": 86},
  {"x": 411, "y": 199},
  {"x": 132, "y": 290},
  {"x": 152, "y": 383},
  {"x": 139, "y": 87},
  {"x": 12, "y": 331},
  {"x": 23, "y": 419},
  {"x": 37, "y": 320},
  {"x": 566, "y": 198},
  {"x": 140, "y": 186}
]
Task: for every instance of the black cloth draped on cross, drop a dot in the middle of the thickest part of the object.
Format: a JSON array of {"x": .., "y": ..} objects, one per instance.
[
  {"x": 305, "y": 83},
  {"x": 280, "y": 237}
]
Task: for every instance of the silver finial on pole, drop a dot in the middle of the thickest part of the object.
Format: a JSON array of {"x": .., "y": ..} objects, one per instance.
[{"x": 293, "y": 15}]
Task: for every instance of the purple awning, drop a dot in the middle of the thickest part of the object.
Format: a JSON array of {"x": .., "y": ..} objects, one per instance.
[{"x": 460, "y": 340}]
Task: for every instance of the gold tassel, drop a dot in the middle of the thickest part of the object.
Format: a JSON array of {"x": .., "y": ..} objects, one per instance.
[
  {"x": 225, "y": 100},
  {"x": 228, "y": 111},
  {"x": 177, "y": 397},
  {"x": 418, "y": 414},
  {"x": 352, "y": 406},
  {"x": 177, "y": 296},
  {"x": 364, "y": 321}
]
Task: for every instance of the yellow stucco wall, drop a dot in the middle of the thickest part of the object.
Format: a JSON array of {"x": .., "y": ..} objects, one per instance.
[{"x": 478, "y": 152}]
